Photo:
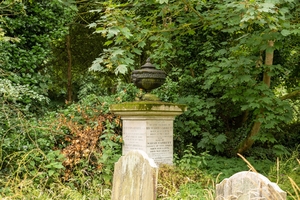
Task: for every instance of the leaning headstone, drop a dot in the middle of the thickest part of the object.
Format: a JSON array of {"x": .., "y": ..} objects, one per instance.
[
  {"x": 248, "y": 185},
  {"x": 135, "y": 177}
]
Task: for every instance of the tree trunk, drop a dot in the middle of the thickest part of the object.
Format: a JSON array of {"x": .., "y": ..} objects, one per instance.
[
  {"x": 248, "y": 142},
  {"x": 69, "y": 71}
]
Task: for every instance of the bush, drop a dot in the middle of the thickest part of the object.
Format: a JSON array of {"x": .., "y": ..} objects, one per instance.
[{"x": 77, "y": 145}]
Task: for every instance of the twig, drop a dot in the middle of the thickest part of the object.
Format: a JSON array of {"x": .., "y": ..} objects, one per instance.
[{"x": 246, "y": 161}]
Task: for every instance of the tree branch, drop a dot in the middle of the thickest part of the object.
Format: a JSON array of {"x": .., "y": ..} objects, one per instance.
[
  {"x": 193, "y": 9},
  {"x": 292, "y": 95}
]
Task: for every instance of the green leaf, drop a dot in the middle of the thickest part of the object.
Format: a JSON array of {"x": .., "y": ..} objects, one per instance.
[
  {"x": 153, "y": 38},
  {"x": 51, "y": 172},
  {"x": 245, "y": 78},
  {"x": 285, "y": 32},
  {"x": 267, "y": 7},
  {"x": 137, "y": 51},
  {"x": 191, "y": 32},
  {"x": 112, "y": 32},
  {"x": 122, "y": 69},
  {"x": 222, "y": 51},
  {"x": 101, "y": 30},
  {"x": 162, "y": 1},
  {"x": 108, "y": 42},
  {"x": 96, "y": 65},
  {"x": 128, "y": 61},
  {"x": 126, "y": 32},
  {"x": 253, "y": 105},
  {"x": 244, "y": 107},
  {"x": 117, "y": 52},
  {"x": 92, "y": 25},
  {"x": 220, "y": 139},
  {"x": 141, "y": 44},
  {"x": 167, "y": 45}
]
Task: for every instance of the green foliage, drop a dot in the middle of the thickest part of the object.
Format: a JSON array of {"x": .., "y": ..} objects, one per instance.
[
  {"x": 35, "y": 25},
  {"x": 122, "y": 58},
  {"x": 182, "y": 180},
  {"x": 77, "y": 145},
  {"x": 222, "y": 167},
  {"x": 111, "y": 152},
  {"x": 190, "y": 160},
  {"x": 200, "y": 122},
  {"x": 168, "y": 92},
  {"x": 27, "y": 152},
  {"x": 17, "y": 100},
  {"x": 213, "y": 54},
  {"x": 172, "y": 185},
  {"x": 127, "y": 92},
  {"x": 73, "y": 54},
  {"x": 286, "y": 173}
]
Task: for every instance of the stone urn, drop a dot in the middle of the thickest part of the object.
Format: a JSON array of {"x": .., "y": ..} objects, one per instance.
[
  {"x": 147, "y": 123},
  {"x": 148, "y": 78}
]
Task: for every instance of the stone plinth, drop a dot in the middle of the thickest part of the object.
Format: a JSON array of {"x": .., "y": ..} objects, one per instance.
[{"x": 148, "y": 126}]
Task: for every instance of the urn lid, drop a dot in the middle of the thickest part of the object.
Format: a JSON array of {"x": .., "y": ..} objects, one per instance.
[
  {"x": 148, "y": 64},
  {"x": 148, "y": 78}
]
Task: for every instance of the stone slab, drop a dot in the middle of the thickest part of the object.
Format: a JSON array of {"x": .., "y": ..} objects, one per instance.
[
  {"x": 153, "y": 136},
  {"x": 159, "y": 145},
  {"x": 248, "y": 185},
  {"x": 148, "y": 108},
  {"x": 135, "y": 177},
  {"x": 148, "y": 126}
]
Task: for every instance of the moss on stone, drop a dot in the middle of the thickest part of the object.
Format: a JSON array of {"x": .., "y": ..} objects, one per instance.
[{"x": 144, "y": 106}]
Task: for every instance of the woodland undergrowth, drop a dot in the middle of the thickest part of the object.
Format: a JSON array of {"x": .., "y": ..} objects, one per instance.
[{"x": 70, "y": 154}]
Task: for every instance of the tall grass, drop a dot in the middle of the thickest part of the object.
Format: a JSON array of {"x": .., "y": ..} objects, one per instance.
[{"x": 174, "y": 183}]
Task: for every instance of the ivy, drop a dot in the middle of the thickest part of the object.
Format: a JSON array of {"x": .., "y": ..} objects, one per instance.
[{"x": 33, "y": 25}]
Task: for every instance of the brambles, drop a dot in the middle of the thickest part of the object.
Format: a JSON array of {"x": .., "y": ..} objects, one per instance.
[
  {"x": 91, "y": 135},
  {"x": 84, "y": 143},
  {"x": 77, "y": 145}
]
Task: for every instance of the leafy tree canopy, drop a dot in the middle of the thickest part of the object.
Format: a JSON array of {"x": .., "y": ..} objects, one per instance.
[
  {"x": 31, "y": 27},
  {"x": 221, "y": 54}
]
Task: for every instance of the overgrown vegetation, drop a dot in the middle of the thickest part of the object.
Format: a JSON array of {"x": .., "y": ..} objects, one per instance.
[
  {"x": 84, "y": 142},
  {"x": 235, "y": 64}
]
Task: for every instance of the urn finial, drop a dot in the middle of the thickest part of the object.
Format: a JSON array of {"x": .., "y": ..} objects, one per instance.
[{"x": 148, "y": 78}]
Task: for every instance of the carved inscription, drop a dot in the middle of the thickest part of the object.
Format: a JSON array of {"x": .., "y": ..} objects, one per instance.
[
  {"x": 160, "y": 140},
  {"x": 155, "y": 137},
  {"x": 134, "y": 136}
]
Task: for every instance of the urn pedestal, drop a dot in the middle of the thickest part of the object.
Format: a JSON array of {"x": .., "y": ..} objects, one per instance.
[{"x": 148, "y": 126}]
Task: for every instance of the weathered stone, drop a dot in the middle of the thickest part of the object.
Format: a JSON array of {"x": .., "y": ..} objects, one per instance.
[
  {"x": 248, "y": 185},
  {"x": 153, "y": 136},
  {"x": 148, "y": 126},
  {"x": 135, "y": 177},
  {"x": 148, "y": 108}
]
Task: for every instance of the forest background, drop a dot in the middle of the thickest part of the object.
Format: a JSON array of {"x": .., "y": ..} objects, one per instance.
[{"x": 235, "y": 64}]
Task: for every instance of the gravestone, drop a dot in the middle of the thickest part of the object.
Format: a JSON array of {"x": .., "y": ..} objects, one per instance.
[
  {"x": 248, "y": 185},
  {"x": 148, "y": 126},
  {"x": 135, "y": 177}
]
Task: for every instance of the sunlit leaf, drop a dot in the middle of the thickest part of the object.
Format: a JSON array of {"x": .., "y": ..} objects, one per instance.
[
  {"x": 122, "y": 69},
  {"x": 126, "y": 32},
  {"x": 162, "y": 1},
  {"x": 96, "y": 67},
  {"x": 285, "y": 32},
  {"x": 117, "y": 52},
  {"x": 112, "y": 32}
]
